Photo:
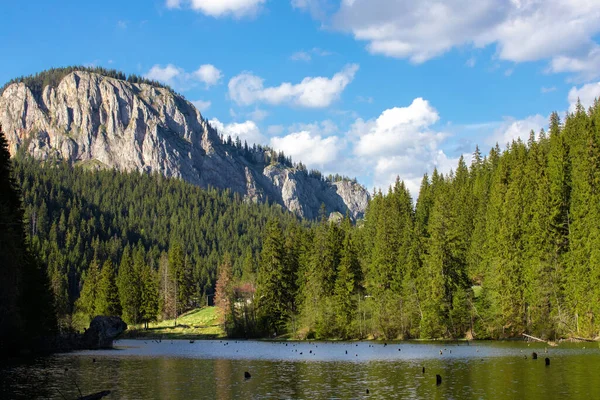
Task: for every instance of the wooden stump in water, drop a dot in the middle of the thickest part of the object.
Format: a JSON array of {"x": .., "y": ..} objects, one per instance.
[
  {"x": 438, "y": 380},
  {"x": 547, "y": 361},
  {"x": 534, "y": 355}
]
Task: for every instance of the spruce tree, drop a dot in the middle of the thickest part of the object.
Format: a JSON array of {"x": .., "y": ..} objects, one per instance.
[
  {"x": 149, "y": 295},
  {"x": 108, "y": 302},
  {"x": 346, "y": 286},
  {"x": 130, "y": 285},
  {"x": 87, "y": 302},
  {"x": 272, "y": 292}
]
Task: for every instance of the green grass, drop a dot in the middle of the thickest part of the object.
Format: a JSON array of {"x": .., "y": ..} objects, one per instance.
[
  {"x": 476, "y": 291},
  {"x": 201, "y": 323}
]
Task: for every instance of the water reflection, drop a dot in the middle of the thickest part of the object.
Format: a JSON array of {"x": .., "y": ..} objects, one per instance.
[{"x": 215, "y": 370}]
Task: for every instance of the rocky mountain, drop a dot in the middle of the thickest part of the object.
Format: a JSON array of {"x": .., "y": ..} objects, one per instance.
[{"x": 94, "y": 120}]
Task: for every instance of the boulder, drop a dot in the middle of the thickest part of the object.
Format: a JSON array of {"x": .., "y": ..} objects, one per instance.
[{"x": 102, "y": 332}]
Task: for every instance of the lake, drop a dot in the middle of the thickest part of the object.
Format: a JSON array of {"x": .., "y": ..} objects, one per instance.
[{"x": 177, "y": 369}]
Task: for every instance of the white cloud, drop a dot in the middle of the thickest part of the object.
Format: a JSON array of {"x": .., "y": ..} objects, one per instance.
[
  {"x": 511, "y": 129},
  {"x": 471, "y": 62},
  {"x": 317, "y": 8},
  {"x": 247, "y": 131},
  {"x": 208, "y": 74},
  {"x": 201, "y": 105},
  {"x": 550, "y": 89},
  {"x": 312, "y": 92},
  {"x": 411, "y": 167},
  {"x": 258, "y": 114},
  {"x": 166, "y": 74},
  {"x": 561, "y": 31},
  {"x": 220, "y": 8},
  {"x": 301, "y": 56},
  {"x": 122, "y": 24},
  {"x": 586, "y": 94},
  {"x": 401, "y": 142},
  {"x": 398, "y": 129},
  {"x": 312, "y": 149},
  {"x": 307, "y": 55},
  {"x": 585, "y": 67},
  {"x": 179, "y": 79}
]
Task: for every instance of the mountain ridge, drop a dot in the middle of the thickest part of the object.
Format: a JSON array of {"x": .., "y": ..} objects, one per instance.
[{"x": 130, "y": 124}]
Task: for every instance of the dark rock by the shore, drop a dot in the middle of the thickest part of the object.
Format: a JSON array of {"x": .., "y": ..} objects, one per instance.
[
  {"x": 100, "y": 335},
  {"x": 102, "y": 332}
]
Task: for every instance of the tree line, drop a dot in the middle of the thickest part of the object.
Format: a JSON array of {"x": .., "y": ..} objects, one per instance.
[
  {"x": 509, "y": 244},
  {"x": 148, "y": 228},
  {"x": 505, "y": 245}
]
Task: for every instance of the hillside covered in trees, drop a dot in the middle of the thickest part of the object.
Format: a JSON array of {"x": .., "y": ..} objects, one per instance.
[
  {"x": 87, "y": 226},
  {"x": 503, "y": 246}
]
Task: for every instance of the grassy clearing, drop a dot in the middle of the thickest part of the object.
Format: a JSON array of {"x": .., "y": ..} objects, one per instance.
[{"x": 201, "y": 323}]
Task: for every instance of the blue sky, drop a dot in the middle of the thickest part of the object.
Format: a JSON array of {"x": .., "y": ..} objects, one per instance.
[{"x": 365, "y": 88}]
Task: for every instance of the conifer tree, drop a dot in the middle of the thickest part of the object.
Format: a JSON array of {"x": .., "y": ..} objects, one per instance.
[
  {"x": 108, "y": 302},
  {"x": 88, "y": 299},
  {"x": 347, "y": 285},
  {"x": 272, "y": 291},
  {"x": 130, "y": 285},
  {"x": 149, "y": 306}
]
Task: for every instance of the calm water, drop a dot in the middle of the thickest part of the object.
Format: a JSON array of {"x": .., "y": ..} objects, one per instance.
[{"x": 300, "y": 370}]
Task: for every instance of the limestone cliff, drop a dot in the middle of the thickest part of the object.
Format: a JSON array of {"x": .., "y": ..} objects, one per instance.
[{"x": 95, "y": 120}]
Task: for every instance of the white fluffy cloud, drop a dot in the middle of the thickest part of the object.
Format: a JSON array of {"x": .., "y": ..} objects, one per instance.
[
  {"x": 522, "y": 30},
  {"x": 220, "y": 8},
  {"x": 411, "y": 167},
  {"x": 511, "y": 129},
  {"x": 312, "y": 149},
  {"x": 179, "y": 79},
  {"x": 247, "y": 131},
  {"x": 586, "y": 94},
  {"x": 164, "y": 74},
  {"x": 312, "y": 92},
  {"x": 201, "y": 105},
  {"x": 208, "y": 74},
  {"x": 401, "y": 142},
  {"x": 398, "y": 129}
]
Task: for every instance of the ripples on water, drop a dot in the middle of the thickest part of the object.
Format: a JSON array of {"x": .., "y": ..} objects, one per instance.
[{"x": 310, "y": 370}]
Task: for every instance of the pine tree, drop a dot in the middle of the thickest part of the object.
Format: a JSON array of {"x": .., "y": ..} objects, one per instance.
[
  {"x": 347, "y": 285},
  {"x": 130, "y": 285},
  {"x": 149, "y": 295},
  {"x": 87, "y": 302},
  {"x": 272, "y": 293},
  {"x": 108, "y": 302}
]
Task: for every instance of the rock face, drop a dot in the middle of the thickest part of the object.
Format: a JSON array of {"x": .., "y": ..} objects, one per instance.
[
  {"x": 96, "y": 121},
  {"x": 102, "y": 332}
]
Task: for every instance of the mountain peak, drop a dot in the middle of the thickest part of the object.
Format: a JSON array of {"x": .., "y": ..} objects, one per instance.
[{"x": 91, "y": 116}]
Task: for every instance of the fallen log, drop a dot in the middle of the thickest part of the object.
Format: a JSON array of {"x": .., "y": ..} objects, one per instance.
[
  {"x": 584, "y": 339},
  {"x": 539, "y": 340}
]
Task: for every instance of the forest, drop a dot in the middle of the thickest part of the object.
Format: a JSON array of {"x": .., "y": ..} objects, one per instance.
[{"x": 505, "y": 245}]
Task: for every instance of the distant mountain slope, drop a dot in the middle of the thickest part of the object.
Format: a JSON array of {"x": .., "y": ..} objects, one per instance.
[{"x": 105, "y": 120}]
